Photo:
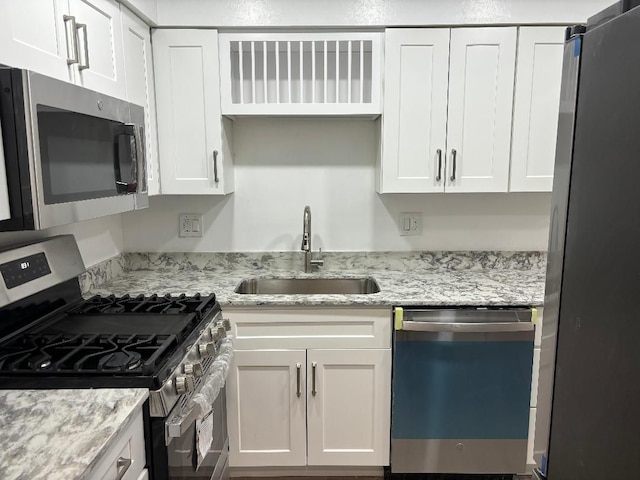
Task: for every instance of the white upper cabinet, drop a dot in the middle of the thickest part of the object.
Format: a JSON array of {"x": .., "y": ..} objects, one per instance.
[
  {"x": 138, "y": 60},
  {"x": 448, "y": 108},
  {"x": 536, "y": 108},
  {"x": 37, "y": 38},
  {"x": 76, "y": 41},
  {"x": 415, "y": 110},
  {"x": 100, "y": 51},
  {"x": 194, "y": 152},
  {"x": 481, "y": 75},
  {"x": 305, "y": 73}
]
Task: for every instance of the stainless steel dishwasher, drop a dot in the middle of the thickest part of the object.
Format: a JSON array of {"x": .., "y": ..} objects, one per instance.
[{"x": 461, "y": 389}]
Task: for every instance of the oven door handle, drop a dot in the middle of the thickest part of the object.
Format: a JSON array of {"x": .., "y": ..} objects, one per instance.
[{"x": 179, "y": 428}]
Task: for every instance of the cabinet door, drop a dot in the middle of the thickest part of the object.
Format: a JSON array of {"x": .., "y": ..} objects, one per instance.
[
  {"x": 536, "y": 107},
  {"x": 482, "y": 69},
  {"x": 101, "y": 55},
  {"x": 193, "y": 157},
  {"x": 34, "y": 36},
  {"x": 415, "y": 110},
  {"x": 140, "y": 88},
  {"x": 349, "y": 413},
  {"x": 266, "y": 416}
]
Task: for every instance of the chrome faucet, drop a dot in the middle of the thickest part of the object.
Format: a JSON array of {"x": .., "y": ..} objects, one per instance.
[{"x": 309, "y": 261}]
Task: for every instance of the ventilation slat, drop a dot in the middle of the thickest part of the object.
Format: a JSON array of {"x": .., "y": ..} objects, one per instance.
[
  {"x": 290, "y": 100},
  {"x": 326, "y": 52},
  {"x": 277, "y": 56},
  {"x": 253, "y": 72},
  {"x": 264, "y": 71},
  {"x": 349, "y": 54},
  {"x": 361, "y": 71},
  {"x": 241, "y": 70},
  {"x": 313, "y": 71}
]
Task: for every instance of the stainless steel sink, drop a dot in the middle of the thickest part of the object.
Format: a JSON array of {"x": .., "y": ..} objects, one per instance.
[{"x": 308, "y": 286}]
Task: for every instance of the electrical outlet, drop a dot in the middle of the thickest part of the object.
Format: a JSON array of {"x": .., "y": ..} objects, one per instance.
[
  {"x": 410, "y": 223},
  {"x": 190, "y": 225}
]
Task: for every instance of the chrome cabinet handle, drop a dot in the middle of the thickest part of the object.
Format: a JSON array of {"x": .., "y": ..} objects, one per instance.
[
  {"x": 313, "y": 379},
  {"x": 123, "y": 465},
  {"x": 439, "y": 176},
  {"x": 74, "y": 40},
  {"x": 85, "y": 65},
  {"x": 298, "y": 369},
  {"x": 215, "y": 166},
  {"x": 453, "y": 164}
]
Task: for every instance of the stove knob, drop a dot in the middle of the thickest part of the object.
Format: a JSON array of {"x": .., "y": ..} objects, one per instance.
[
  {"x": 194, "y": 369},
  {"x": 215, "y": 334},
  {"x": 207, "y": 349},
  {"x": 226, "y": 323},
  {"x": 185, "y": 384},
  {"x": 222, "y": 332}
]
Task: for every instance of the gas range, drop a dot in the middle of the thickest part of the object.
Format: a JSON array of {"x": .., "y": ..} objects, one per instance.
[
  {"x": 51, "y": 337},
  {"x": 163, "y": 343}
]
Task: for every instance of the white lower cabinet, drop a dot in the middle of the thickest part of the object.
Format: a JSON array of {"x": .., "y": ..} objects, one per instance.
[
  {"x": 313, "y": 405},
  {"x": 348, "y": 407},
  {"x": 125, "y": 459},
  {"x": 267, "y": 418}
]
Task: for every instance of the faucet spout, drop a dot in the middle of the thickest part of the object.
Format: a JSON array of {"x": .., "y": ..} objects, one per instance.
[
  {"x": 306, "y": 229},
  {"x": 309, "y": 262}
]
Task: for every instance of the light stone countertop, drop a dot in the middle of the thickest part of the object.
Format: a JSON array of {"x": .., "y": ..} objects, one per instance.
[
  {"x": 430, "y": 279},
  {"x": 61, "y": 434}
]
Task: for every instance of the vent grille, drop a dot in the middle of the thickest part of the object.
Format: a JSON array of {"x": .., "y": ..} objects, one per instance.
[{"x": 273, "y": 72}]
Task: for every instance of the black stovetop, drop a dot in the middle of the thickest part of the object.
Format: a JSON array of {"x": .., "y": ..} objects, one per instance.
[{"x": 105, "y": 342}]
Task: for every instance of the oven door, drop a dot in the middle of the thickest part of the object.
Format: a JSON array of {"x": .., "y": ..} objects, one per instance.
[
  {"x": 183, "y": 453},
  {"x": 87, "y": 152}
]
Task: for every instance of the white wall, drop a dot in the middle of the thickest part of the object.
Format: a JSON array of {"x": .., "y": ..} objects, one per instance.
[
  {"x": 329, "y": 164},
  {"x": 97, "y": 239},
  {"x": 146, "y": 9},
  {"x": 373, "y": 13}
]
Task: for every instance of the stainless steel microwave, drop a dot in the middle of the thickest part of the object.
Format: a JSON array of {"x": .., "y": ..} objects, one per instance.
[{"x": 70, "y": 153}]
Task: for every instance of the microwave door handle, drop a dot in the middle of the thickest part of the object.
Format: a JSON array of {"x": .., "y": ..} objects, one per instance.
[
  {"x": 138, "y": 164},
  {"x": 126, "y": 135},
  {"x": 141, "y": 158}
]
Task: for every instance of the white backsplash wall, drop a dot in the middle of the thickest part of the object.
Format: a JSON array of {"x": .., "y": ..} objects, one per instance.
[
  {"x": 97, "y": 239},
  {"x": 281, "y": 165}
]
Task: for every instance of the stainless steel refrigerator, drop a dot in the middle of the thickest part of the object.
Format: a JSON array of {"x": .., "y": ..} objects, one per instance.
[{"x": 588, "y": 415}]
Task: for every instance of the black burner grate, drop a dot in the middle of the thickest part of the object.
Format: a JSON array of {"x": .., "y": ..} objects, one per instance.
[
  {"x": 167, "y": 304},
  {"x": 108, "y": 354}
]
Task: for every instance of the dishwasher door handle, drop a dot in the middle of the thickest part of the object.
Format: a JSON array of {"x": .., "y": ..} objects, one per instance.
[{"x": 475, "y": 327}]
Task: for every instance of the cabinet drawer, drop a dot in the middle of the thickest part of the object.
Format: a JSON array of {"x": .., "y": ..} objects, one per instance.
[
  {"x": 310, "y": 328},
  {"x": 129, "y": 447}
]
